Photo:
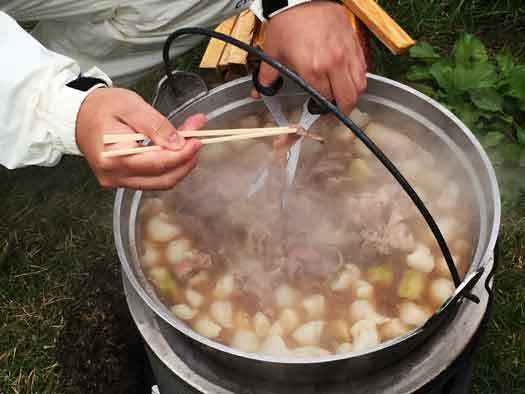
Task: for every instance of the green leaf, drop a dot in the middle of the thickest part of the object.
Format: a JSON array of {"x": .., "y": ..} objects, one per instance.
[
  {"x": 517, "y": 83},
  {"x": 425, "y": 52},
  {"x": 511, "y": 152},
  {"x": 505, "y": 62},
  {"x": 487, "y": 99},
  {"x": 425, "y": 89},
  {"x": 520, "y": 134},
  {"x": 506, "y": 118},
  {"x": 418, "y": 73},
  {"x": 522, "y": 158},
  {"x": 477, "y": 76},
  {"x": 469, "y": 49},
  {"x": 496, "y": 157},
  {"x": 492, "y": 138},
  {"x": 443, "y": 73},
  {"x": 467, "y": 113}
]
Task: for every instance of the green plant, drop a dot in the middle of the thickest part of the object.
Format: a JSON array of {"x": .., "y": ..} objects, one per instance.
[{"x": 487, "y": 93}]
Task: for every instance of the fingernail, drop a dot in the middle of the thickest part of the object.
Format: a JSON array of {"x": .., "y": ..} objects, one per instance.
[
  {"x": 195, "y": 145},
  {"x": 176, "y": 140}
]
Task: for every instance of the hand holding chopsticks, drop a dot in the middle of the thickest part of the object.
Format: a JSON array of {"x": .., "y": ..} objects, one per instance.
[{"x": 216, "y": 136}]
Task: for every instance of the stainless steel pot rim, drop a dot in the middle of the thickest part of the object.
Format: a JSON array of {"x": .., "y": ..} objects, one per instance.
[{"x": 167, "y": 316}]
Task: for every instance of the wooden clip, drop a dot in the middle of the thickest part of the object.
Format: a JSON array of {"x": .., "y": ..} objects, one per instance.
[
  {"x": 243, "y": 31},
  {"x": 215, "y": 48},
  {"x": 381, "y": 24}
]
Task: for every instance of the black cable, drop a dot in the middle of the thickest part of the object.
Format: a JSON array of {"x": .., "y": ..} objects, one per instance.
[{"x": 347, "y": 122}]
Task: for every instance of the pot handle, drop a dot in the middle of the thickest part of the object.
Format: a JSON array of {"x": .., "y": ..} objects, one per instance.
[
  {"x": 462, "y": 291},
  {"x": 188, "y": 87}
]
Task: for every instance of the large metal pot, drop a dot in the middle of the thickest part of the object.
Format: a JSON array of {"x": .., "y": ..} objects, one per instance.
[{"x": 385, "y": 99}]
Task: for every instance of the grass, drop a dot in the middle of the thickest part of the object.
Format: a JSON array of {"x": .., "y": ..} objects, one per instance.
[
  {"x": 64, "y": 326},
  {"x": 499, "y": 23},
  {"x": 499, "y": 362}
]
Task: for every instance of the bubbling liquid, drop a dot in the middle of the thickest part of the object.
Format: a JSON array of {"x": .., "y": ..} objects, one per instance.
[{"x": 348, "y": 264}]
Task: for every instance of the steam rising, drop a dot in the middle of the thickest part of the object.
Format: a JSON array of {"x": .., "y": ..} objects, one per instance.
[{"x": 330, "y": 270}]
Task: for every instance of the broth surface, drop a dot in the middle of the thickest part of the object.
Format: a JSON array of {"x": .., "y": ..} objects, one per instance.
[{"x": 348, "y": 263}]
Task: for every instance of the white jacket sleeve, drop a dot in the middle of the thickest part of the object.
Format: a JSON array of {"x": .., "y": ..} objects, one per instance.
[{"x": 37, "y": 110}]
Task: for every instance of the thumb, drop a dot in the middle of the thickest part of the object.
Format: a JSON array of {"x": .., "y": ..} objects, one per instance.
[{"x": 267, "y": 75}]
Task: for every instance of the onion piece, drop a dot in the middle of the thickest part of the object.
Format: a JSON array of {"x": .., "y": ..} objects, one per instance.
[
  {"x": 183, "y": 311},
  {"x": 365, "y": 335},
  {"x": 151, "y": 256},
  {"x": 441, "y": 290},
  {"x": 206, "y": 327},
  {"x": 224, "y": 286},
  {"x": 344, "y": 347},
  {"x": 347, "y": 276},
  {"x": 158, "y": 229},
  {"x": 195, "y": 299},
  {"x": 274, "y": 346},
  {"x": 412, "y": 314},
  {"x": 421, "y": 259},
  {"x": 364, "y": 310},
  {"x": 261, "y": 324},
  {"x": 314, "y": 305},
  {"x": 222, "y": 313},
  {"x": 285, "y": 296},
  {"x": 363, "y": 289},
  {"x": 309, "y": 333},
  {"x": 178, "y": 250},
  {"x": 310, "y": 351},
  {"x": 245, "y": 340},
  {"x": 289, "y": 320},
  {"x": 393, "y": 329}
]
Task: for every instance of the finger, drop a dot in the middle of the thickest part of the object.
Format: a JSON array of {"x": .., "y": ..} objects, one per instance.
[
  {"x": 315, "y": 72},
  {"x": 194, "y": 122},
  {"x": 343, "y": 89},
  {"x": 267, "y": 74},
  {"x": 321, "y": 84},
  {"x": 149, "y": 164},
  {"x": 356, "y": 48},
  {"x": 162, "y": 182},
  {"x": 358, "y": 66},
  {"x": 145, "y": 119}
]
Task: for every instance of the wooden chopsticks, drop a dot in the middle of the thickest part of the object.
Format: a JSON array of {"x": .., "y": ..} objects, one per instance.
[{"x": 217, "y": 136}]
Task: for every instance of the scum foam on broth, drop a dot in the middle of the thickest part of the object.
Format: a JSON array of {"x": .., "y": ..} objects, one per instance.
[{"x": 347, "y": 265}]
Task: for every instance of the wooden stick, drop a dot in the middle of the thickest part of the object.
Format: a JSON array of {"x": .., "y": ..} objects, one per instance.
[
  {"x": 125, "y": 137},
  {"x": 239, "y": 137},
  {"x": 381, "y": 24},
  {"x": 243, "y": 31},
  {"x": 223, "y": 61},
  {"x": 215, "y": 48},
  {"x": 131, "y": 151},
  {"x": 205, "y": 141}
]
